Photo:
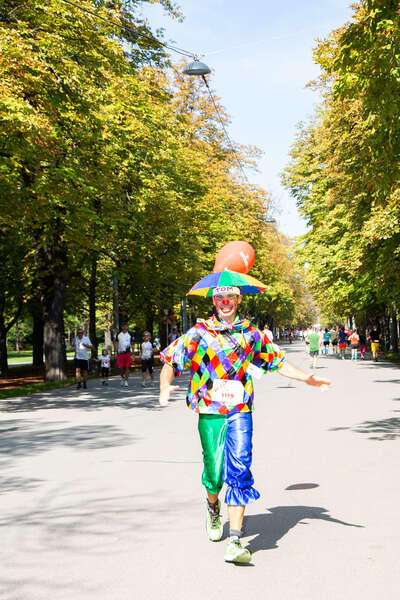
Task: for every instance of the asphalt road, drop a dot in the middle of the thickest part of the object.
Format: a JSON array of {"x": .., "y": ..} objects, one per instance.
[{"x": 100, "y": 493}]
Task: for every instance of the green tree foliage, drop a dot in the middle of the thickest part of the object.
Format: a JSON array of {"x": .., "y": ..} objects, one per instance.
[
  {"x": 112, "y": 165},
  {"x": 344, "y": 169}
]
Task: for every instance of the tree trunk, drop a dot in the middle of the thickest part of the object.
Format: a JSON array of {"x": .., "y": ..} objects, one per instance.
[
  {"x": 37, "y": 334},
  {"x": 394, "y": 340},
  {"x": 107, "y": 339},
  {"x": 17, "y": 346},
  {"x": 53, "y": 266},
  {"x": 92, "y": 307},
  {"x": 3, "y": 347},
  {"x": 4, "y": 329},
  {"x": 386, "y": 328},
  {"x": 115, "y": 296},
  {"x": 149, "y": 319}
]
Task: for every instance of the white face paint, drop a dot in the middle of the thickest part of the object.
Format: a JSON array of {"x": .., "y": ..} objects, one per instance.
[{"x": 226, "y": 305}]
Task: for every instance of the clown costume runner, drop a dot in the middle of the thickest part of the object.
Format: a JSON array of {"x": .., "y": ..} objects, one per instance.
[{"x": 221, "y": 353}]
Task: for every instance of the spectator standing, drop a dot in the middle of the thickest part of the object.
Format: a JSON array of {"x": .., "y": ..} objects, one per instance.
[
  {"x": 363, "y": 341},
  {"x": 354, "y": 342},
  {"x": 342, "y": 342},
  {"x": 375, "y": 338},
  {"x": 105, "y": 366},
  {"x": 313, "y": 340},
  {"x": 81, "y": 345},
  {"x": 147, "y": 357},
  {"x": 124, "y": 347}
]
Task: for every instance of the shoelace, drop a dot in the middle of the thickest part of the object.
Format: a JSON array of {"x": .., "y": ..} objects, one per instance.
[{"x": 214, "y": 518}]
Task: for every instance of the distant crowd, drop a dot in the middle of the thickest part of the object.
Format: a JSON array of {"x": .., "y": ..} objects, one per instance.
[
  {"x": 340, "y": 340},
  {"x": 124, "y": 352}
]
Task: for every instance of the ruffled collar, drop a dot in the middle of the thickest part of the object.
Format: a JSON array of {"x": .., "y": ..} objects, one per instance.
[{"x": 214, "y": 323}]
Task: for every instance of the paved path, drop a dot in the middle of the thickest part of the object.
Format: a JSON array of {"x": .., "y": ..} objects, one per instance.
[{"x": 100, "y": 494}]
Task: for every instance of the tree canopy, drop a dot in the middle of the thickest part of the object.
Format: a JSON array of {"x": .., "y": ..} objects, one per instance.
[
  {"x": 115, "y": 165},
  {"x": 344, "y": 168}
]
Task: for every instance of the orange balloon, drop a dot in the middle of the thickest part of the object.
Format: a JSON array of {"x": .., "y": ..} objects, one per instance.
[{"x": 236, "y": 256}]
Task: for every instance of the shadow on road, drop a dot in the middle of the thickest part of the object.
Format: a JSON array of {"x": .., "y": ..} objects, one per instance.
[
  {"x": 23, "y": 437},
  {"x": 382, "y": 430},
  {"x": 385, "y": 429},
  {"x": 270, "y": 527},
  {"x": 96, "y": 397}
]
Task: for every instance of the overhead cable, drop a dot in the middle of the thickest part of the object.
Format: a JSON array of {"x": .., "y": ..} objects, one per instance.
[
  {"x": 174, "y": 49},
  {"x": 131, "y": 29}
]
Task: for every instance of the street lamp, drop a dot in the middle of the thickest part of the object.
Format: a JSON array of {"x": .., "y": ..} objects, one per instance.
[{"x": 197, "y": 68}]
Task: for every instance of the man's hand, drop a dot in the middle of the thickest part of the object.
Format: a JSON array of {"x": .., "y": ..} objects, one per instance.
[
  {"x": 166, "y": 378},
  {"x": 320, "y": 382},
  {"x": 293, "y": 372},
  {"x": 165, "y": 394}
]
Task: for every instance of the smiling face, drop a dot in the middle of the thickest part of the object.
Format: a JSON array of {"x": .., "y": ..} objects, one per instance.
[{"x": 227, "y": 305}]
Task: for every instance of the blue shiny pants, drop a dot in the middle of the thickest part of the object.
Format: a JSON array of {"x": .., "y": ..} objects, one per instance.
[{"x": 227, "y": 454}]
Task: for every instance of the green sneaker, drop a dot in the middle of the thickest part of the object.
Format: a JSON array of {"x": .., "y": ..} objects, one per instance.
[
  {"x": 236, "y": 553},
  {"x": 213, "y": 524}
]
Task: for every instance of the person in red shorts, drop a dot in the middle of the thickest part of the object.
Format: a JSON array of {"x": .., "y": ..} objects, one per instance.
[
  {"x": 342, "y": 342},
  {"x": 123, "y": 348}
]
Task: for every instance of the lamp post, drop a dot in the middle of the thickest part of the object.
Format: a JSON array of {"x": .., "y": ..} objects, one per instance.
[
  {"x": 197, "y": 68},
  {"x": 184, "y": 315}
]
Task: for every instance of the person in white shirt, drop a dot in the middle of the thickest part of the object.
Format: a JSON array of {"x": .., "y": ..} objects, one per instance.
[
  {"x": 81, "y": 345},
  {"x": 147, "y": 357},
  {"x": 123, "y": 347},
  {"x": 268, "y": 333}
]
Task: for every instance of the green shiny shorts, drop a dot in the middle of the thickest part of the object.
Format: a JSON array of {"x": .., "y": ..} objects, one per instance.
[
  {"x": 212, "y": 430},
  {"x": 227, "y": 454}
]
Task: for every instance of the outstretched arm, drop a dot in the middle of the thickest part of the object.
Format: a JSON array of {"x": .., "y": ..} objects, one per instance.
[
  {"x": 289, "y": 370},
  {"x": 167, "y": 376}
]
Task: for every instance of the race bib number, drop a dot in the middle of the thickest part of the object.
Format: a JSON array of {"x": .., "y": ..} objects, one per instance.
[{"x": 229, "y": 393}]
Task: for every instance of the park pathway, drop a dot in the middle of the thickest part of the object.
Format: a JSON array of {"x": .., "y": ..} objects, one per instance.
[{"x": 101, "y": 499}]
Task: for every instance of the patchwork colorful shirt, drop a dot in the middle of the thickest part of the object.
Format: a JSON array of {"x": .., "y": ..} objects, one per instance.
[{"x": 214, "y": 350}]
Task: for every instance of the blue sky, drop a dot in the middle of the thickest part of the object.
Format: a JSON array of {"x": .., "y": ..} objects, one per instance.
[{"x": 261, "y": 56}]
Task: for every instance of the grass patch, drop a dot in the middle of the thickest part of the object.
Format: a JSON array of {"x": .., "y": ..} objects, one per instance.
[
  {"x": 393, "y": 356},
  {"x": 26, "y": 356},
  {"x": 33, "y": 388}
]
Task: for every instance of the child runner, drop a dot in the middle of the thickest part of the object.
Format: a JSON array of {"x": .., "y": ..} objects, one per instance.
[
  {"x": 105, "y": 366},
  {"x": 147, "y": 358}
]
